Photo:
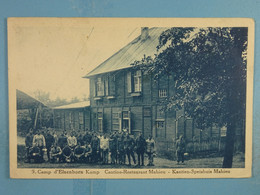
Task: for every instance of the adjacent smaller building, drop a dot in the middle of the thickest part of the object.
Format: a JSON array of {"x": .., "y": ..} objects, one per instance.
[{"x": 74, "y": 116}]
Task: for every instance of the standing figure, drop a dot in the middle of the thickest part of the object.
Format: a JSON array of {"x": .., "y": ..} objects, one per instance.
[
  {"x": 180, "y": 149},
  {"x": 39, "y": 141},
  {"x": 150, "y": 150},
  {"x": 140, "y": 148},
  {"x": 95, "y": 148},
  {"x": 113, "y": 148},
  {"x": 129, "y": 148},
  {"x": 87, "y": 138},
  {"x": 49, "y": 142},
  {"x": 104, "y": 144},
  {"x": 62, "y": 140},
  {"x": 72, "y": 143},
  {"x": 121, "y": 149},
  {"x": 80, "y": 138},
  {"x": 28, "y": 144}
]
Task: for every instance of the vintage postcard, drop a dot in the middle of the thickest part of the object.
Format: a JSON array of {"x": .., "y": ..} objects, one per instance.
[{"x": 128, "y": 98}]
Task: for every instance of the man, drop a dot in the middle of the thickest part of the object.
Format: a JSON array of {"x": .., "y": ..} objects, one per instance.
[
  {"x": 39, "y": 141},
  {"x": 80, "y": 138},
  {"x": 121, "y": 149},
  {"x": 87, "y": 138},
  {"x": 28, "y": 144},
  {"x": 113, "y": 148},
  {"x": 150, "y": 150},
  {"x": 55, "y": 153},
  {"x": 180, "y": 149},
  {"x": 62, "y": 140},
  {"x": 49, "y": 142},
  {"x": 140, "y": 148},
  {"x": 95, "y": 148},
  {"x": 100, "y": 156},
  {"x": 104, "y": 144},
  {"x": 72, "y": 141},
  {"x": 129, "y": 148}
]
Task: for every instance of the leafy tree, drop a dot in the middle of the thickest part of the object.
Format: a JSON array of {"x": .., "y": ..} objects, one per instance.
[
  {"x": 209, "y": 67},
  {"x": 74, "y": 100},
  {"x": 42, "y": 96}
]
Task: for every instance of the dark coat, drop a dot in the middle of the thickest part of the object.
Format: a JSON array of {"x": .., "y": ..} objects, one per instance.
[
  {"x": 49, "y": 139},
  {"x": 140, "y": 145},
  {"x": 29, "y": 140}
]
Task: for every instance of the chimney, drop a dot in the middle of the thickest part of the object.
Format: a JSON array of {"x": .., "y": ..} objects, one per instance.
[{"x": 144, "y": 33}]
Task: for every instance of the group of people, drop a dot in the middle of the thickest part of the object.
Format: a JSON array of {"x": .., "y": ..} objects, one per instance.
[{"x": 89, "y": 147}]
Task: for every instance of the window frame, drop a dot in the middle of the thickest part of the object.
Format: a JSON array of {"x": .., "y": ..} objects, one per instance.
[{"x": 163, "y": 93}]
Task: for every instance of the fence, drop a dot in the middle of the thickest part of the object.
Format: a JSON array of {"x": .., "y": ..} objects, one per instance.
[{"x": 206, "y": 148}]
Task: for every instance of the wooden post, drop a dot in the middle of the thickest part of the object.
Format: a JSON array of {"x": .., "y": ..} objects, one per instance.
[
  {"x": 35, "y": 120},
  {"x": 53, "y": 118}
]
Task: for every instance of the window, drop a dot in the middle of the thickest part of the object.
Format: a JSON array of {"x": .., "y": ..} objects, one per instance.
[
  {"x": 72, "y": 120},
  {"x": 81, "y": 120},
  {"x": 100, "y": 121},
  {"x": 223, "y": 131},
  {"x": 134, "y": 82},
  {"x": 115, "y": 122},
  {"x": 125, "y": 121},
  {"x": 137, "y": 81},
  {"x": 110, "y": 86},
  {"x": 159, "y": 124},
  {"x": 100, "y": 87},
  {"x": 162, "y": 93},
  {"x": 160, "y": 128},
  {"x": 59, "y": 119}
]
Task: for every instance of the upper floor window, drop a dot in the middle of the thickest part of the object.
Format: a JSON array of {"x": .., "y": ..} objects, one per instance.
[
  {"x": 137, "y": 81},
  {"x": 100, "y": 87},
  {"x": 134, "y": 81},
  {"x": 162, "y": 93},
  {"x": 110, "y": 85}
]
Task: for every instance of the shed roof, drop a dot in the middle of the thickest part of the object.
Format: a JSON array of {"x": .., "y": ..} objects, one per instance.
[
  {"x": 133, "y": 51},
  {"x": 73, "y": 106},
  {"x": 24, "y": 101}
]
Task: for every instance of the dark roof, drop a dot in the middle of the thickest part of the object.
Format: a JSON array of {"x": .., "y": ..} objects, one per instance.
[
  {"x": 74, "y": 105},
  {"x": 25, "y": 101},
  {"x": 133, "y": 51}
]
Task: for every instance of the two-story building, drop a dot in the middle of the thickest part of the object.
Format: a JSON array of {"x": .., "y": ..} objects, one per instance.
[{"x": 122, "y": 97}]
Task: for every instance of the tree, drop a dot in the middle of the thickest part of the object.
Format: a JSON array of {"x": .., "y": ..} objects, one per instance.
[
  {"x": 209, "y": 67},
  {"x": 74, "y": 100},
  {"x": 42, "y": 96}
]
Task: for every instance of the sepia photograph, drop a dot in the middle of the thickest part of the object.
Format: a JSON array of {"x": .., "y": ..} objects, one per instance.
[{"x": 130, "y": 97}]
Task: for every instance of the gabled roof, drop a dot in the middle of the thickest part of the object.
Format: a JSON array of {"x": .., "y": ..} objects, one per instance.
[
  {"x": 133, "y": 51},
  {"x": 74, "y": 105},
  {"x": 25, "y": 101}
]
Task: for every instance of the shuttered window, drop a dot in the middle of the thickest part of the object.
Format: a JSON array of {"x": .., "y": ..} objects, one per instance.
[
  {"x": 129, "y": 82},
  {"x": 134, "y": 81},
  {"x": 110, "y": 85},
  {"x": 100, "y": 87}
]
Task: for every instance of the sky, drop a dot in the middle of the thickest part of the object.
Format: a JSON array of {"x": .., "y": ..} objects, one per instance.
[{"x": 53, "y": 55}]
